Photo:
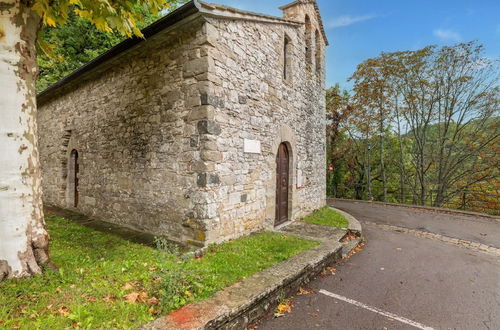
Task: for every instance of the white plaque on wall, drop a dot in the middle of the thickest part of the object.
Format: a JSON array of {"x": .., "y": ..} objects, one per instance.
[{"x": 251, "y": 146}]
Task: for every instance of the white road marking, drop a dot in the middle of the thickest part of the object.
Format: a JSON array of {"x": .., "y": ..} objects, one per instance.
[{"x": 376, "y": 310}]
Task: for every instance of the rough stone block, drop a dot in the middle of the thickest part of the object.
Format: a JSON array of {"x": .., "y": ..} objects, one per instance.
[
  {"x": 211, "y": 156},
  {"x": 244, "y": 198},
  {"x": 207, "y": 180},
  {"x": 242, "y": 99},
  {"x": 209, "y": 127},
  {"x": 208, "y": 99}
]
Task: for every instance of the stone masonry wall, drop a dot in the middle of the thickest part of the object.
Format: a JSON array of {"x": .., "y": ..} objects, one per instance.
[
  {"x": 160, "y": 129},
  {"x": 137, "y": 124},
  {"x": 252, "y": 100}
]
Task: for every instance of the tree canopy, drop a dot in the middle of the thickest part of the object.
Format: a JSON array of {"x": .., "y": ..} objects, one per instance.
[
  {"x": 423, "y": 128},
  {"x": 76, "y": 40}
]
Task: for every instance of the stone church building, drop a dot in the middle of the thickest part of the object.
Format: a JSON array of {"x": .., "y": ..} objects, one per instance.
[{"x": 210, "y": 128}]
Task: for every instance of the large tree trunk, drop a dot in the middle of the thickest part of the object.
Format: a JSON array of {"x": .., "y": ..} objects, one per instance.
[{"x": 23, "y": 238}]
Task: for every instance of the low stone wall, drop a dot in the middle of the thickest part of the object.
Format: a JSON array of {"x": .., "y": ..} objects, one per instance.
[{"x": 247, "y": 301}]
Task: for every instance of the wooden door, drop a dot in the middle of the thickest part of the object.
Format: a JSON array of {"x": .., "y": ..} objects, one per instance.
[{"x": 282, "y": 183}]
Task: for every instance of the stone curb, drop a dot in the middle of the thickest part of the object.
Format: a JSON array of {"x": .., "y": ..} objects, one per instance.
[
  {"x": 478, "y": 247},
  {"x": 247, "y": 301},
  {"x": 354, "y": 224},
  {"x": 428, "y": 208}
]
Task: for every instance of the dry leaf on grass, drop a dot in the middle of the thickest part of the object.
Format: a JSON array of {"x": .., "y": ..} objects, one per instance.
[
  {"x": 128, "y": 286},
  {"x": 74, "y": 324},
  {"x": 136, "y": 297},
  {"x": 153, "y": 301},
  {"x": 63, "y": 310},
  {"x": 153, "y": 311},
  {"x": 109, "y": 298}
]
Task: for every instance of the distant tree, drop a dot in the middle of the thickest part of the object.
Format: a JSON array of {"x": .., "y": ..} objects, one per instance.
[
  {"x": 338, "y": 113},
  {"x": 23, "y": 237},
  {"x": 373, "y": 94},
  {"x": 450, "y": 104}
]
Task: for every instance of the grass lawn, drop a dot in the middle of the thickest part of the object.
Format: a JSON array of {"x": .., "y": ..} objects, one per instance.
[
  {"x": 327, "y": 217},
  {"x": 107, "y": 282}
]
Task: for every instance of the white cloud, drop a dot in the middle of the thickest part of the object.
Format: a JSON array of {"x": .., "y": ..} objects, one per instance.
[
  {"x": 447, "y": 35},
  {"x": 347, "y": 20}
]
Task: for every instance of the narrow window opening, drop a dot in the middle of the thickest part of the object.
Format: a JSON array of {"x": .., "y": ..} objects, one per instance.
[
  {"x": 287, "y": 56},
  {"x": 73, "y": 178},
  {"x": 319, "y": 55},
  {"x": 308, "y": 37}
]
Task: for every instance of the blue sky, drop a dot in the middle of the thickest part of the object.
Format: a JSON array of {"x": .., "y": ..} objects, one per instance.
[{"x": 360, "y": 29}]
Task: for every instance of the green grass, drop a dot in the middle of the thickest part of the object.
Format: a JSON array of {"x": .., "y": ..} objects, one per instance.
[
  {"x": 89, "y": 288},
  {"x": 327, "y": 217}
]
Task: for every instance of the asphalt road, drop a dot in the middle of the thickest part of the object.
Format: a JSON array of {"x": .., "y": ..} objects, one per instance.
[{"x": 399, "y": 281}]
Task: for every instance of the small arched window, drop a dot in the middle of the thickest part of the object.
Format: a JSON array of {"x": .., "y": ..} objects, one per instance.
[
  {"x": 319, "y": 54},
  {"x": 308, "y": 37},
  {"x": 287, "y": 58}
]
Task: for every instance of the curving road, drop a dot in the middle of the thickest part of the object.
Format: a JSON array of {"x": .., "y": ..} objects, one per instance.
[{"x": 401, "y": 281}]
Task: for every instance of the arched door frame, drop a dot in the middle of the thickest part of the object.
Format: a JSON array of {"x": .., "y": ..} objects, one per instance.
[{"x": 284, "y": 134}]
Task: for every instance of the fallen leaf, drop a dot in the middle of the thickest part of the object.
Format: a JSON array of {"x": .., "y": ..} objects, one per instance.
[
  {"x": 109, "y": 298},
  {"x": 153, "y": 311},
  {"x": 91, "y": 299},
  {"x": 128, "y": 286},
  {"x": 16, "y": 326},
  {"x": 153, "y": 268},
  {"x": 314, "y": 314},
  {"x": 283, "y": 308},
  {"x": 399, "y": 249},
  {"x": 32, "y": 316},
  {"x": 63, "y": 310},
  {"x": 74, "y": 324},
  {"x": 331, "y": 270},
  {"x": 132, "y": 297},
  {"x": 143, "y": 296},
  {"x": 304, "y": 291},
  {"x": 153, "y": 301},
  {"x": 136, "y": 297}
]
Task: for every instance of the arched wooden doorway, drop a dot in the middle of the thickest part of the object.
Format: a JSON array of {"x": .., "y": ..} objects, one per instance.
[
  {"x": 282, "y": 184},
  {"x": 73, "y": 178}
]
